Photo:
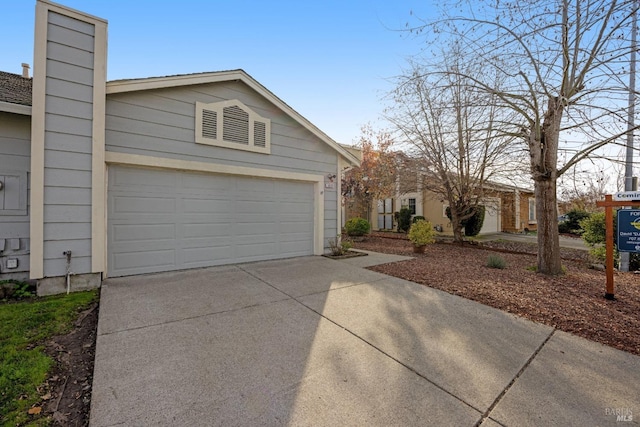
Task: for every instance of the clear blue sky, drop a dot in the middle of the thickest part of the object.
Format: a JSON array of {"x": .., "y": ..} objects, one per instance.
[{"x": 330, "y": 60}]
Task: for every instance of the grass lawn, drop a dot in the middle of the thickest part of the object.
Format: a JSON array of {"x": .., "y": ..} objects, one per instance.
[{"x": 24, "y": 327}]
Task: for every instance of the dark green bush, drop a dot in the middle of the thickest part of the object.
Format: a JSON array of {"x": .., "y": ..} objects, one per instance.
[
  {"x": 404, "y": 220},
  {"x": 418, "y": 218},
  {"x": 357, "y": 227},
  {"x": 473, "y": 225},
  {"x": 572, "y": 224}
]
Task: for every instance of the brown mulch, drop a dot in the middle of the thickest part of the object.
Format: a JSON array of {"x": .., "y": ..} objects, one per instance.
[
  {"x": 573, "y": 302},
  {"x": 68, "y": 398}
]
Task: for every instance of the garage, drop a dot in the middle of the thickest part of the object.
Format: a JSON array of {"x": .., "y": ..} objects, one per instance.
[
  {"x": 491, "y": 222},
  {"x": 162, "y": 220}
]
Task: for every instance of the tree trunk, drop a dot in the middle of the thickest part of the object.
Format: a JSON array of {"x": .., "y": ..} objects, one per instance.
[
  {"x": 548, "y": 241},
  {"x": 543, "y": 147}
]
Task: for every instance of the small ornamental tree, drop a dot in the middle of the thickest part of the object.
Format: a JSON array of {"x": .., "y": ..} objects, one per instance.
[{"x": 375, "y": 178}]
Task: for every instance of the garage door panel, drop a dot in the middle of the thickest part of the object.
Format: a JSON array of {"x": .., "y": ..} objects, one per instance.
[
  {"x": 291, "y": 248},
  {"x": 257, "y": 239},
  {"x": 146, "y": 259},
  {"x": 243, "y": 219},
  {"x": 296, "y": 227},
  {"x": 254, "y": 249},
  {"x": 193, "y": 256},
  {"x": 252, "y": 229},
  {"x": 204, "y": 183},
  {"x": 208, "y": 206},
  {"x": 295, "y": 237},
  {"x": 295, "y": 207},
  {"x": 206, "y": 230},
  {"x": 141, "y": 232},
  {"x": 146, "y": 205},
  {"x": 203, "y": 220}
]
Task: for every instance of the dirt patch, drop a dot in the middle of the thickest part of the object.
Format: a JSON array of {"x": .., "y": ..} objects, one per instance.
[
  {"x": 67, "y": 398},
  {"x": 573, "y": 302}
]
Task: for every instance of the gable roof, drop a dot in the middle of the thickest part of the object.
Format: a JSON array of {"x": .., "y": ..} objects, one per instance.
[
  {"x": 15, "y": 93},
  {"x": 149, "y": 83}
]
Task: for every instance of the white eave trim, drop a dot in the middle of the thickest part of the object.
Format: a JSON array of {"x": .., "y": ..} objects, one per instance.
[
  {"x": 122, "y": 86},
  {"x": 9, "y": 107}
]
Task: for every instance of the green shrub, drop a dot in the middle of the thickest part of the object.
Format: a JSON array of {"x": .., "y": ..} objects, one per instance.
[
  {"x": 404, "y": 220},
  {"x": 594, "y": 235},
  {"x": 473, "y": 225},
  {"x": 496, "y": 261},
  {"x": 16, "y": 290},
  {"x": 418, "y": 218},
  {"x": 593, "y": 229},
  {"x": 357, "y": 227},
  {"x": 572, "y": 224},
  {"x": 339, "y": 246},
  {"x": 421, "y": 233}
]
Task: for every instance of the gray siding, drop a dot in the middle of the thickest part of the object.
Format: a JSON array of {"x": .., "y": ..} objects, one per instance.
[
  {"x": 161, "y": 123},
  {"x": 15, "y": 149},
  {"x": 68, "y": 144}
]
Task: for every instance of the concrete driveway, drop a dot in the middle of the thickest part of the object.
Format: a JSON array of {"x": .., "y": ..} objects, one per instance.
[{"x": 317, "y": 342}]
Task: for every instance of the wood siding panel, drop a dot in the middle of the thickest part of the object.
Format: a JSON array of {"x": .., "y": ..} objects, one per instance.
[
  {"x": 71, "y": 24},
  {"x": 68, "y": 144},
  {"x": 71, "y": 90}
]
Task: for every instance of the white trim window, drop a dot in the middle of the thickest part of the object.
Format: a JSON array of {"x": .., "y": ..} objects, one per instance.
[
  {"x": 231, "y": 124},
  {"x": 532, "y": 210},
  {"x": 409, "y": 203}
]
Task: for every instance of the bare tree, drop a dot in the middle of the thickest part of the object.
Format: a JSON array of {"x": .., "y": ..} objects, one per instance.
[
  {"x": 455, "y": 133},
  {"x": 563, "y": 66}
]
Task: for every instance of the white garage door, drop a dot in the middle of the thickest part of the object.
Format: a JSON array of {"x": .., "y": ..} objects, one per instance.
[
  {"x": 161, "y": 220},
  {"x": 491, "y": 222}
]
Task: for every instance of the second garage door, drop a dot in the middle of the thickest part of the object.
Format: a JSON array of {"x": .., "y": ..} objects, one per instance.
[{"x": 160, "y": 220}]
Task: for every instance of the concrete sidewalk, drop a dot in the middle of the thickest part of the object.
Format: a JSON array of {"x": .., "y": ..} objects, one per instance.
[{"x": 313, "y": 341}]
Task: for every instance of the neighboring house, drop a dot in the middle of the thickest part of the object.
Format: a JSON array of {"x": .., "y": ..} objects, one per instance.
[
  {"x": 507, "y": 208},
  {"x": 156, "y": 174}
]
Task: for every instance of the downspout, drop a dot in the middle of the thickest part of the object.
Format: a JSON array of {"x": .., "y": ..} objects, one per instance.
[{"x": 69, "y": 273}]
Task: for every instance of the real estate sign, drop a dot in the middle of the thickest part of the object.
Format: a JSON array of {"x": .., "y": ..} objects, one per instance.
[
  {"x": 627, "y": 196},
  {"x": 629, "y": 230}
]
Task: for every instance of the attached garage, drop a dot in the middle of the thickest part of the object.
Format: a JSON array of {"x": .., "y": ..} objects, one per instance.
[
  {"x": 163, "y": 220},
  {"x": 162, "y": 173},
  {"x": 491, "y": 222}
]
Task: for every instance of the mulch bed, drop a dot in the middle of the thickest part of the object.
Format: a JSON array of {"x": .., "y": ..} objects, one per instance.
[
  {"x": 67, "y": 398},
  {"x": 573, "y": 302}
]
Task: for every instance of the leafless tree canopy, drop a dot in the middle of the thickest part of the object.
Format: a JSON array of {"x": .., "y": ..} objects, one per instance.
[
  {"x": 560, "y": 66},
  {"x": 458, "y": 135}
]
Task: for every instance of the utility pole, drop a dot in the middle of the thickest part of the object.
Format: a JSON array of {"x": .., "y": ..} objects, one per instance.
[{"x": 631, "y": 183}]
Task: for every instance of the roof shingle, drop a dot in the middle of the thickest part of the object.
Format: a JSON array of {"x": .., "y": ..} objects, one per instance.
[{"x": 15, "y": 89}]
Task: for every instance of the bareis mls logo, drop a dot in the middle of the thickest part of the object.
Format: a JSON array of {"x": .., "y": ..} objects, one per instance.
[{"x": 621, "y": 414}]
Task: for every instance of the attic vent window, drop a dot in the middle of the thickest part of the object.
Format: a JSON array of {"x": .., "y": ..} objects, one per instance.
[
  {"x": 231, "y": 124},
  {"x": 209, "y": 124}
]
